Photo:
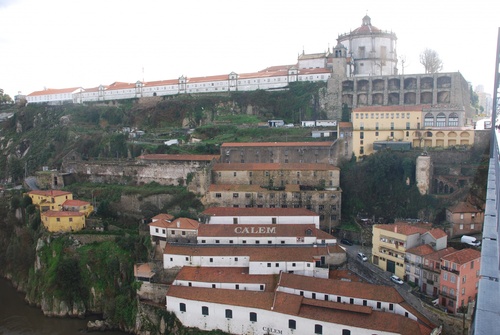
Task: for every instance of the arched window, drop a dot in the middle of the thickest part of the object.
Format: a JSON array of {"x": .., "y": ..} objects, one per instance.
[
  {"x": 441, "y": 120},
  {"x": 453, "y": 120},
  {"x": 253, "y": 316},
  {"x": 428, "y": 120}
]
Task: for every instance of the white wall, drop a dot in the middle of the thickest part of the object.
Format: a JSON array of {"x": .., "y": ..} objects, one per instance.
[
  {"x": 219, "y": 285},
  {"x": 266, "y": 220}
]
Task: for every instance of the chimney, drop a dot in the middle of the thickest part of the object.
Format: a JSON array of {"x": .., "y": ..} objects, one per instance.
[{"x": 395, "y": 228}]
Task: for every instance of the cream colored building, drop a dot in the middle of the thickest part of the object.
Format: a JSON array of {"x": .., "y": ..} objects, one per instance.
[
  {"x": 404, "y": 126},
  {"x": 391, "y": 241}
]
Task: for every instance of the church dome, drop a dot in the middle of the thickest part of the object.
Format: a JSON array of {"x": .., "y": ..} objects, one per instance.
[{"x": 366, "y": 27}]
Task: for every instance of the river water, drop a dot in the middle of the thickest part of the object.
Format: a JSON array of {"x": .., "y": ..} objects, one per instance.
[{"x": 17, "y": 317}]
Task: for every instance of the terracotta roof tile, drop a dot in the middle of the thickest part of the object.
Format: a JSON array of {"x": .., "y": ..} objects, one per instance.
[
  {"x": 273, "y": 167},
  {"x": 167, "y": 157},
  {"x": 78, "y": 203},
  {"x": 50, "y": 91},
  {"x": 421, "y": 250},
  {"x": 49, "y": 193},
  {"x": 404, "y": 229},
  {"x": 277, "y": 144},
  {"x": 183, "y": 223},
  {"x": 437, "y": 255},
  {"x": 402, "y": 108},
  {"x": 243, "y": 211},
  {"x": 267, "y": 253},
  {"x": 55, "y": 214},
  {"x": 143, "y": 270},
  {"x": 464, "y": 207},
  {"x": 225, "y": 275},
  {"x": 463, "y": 256},
  {"x": 163, "y": 216},
  {"x": 437, "y": 233}
]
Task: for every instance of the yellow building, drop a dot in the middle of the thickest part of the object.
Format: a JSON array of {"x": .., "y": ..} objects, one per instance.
[
  {"x": 78, "y": 206},
  {"x": 63, "y": 221},
  {"x": 404, "y": 127},
  {"x": 390, "y": 242},
  {"x": 50, "y": 199}
]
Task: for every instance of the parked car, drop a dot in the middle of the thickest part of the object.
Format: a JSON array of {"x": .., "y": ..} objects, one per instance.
[
  {"x": 345, "y": 241},
  {"x": 397, "y": 280},
  {"x": 362, "y": 257}
]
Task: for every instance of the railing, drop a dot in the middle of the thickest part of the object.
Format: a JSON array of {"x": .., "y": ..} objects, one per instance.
[{"x": 485, "y": 319}]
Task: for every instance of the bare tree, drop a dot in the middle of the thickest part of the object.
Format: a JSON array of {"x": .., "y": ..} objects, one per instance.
[{"x": 430, "y": 60}]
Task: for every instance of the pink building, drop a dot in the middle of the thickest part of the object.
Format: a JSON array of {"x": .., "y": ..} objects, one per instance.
[{"x": 459, "y": 278}]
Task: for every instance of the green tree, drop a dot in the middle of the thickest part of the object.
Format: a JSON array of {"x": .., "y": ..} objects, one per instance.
[{"x": 4, "y": 98}]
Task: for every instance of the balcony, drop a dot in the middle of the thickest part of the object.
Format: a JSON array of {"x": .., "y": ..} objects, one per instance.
[
  {"x": 448, "y": 295},
  {"x": 450, "y": 270}
]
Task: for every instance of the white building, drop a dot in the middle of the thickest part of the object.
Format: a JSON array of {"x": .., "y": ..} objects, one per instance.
[
  {"x": 241, "y": 215},
  {"x": 372, "y": 50},
  {"x": 54, "y": 96},
  {"x": 265, "y": 234},
  {"x": 224, "y": 278},
  {"x": 309, "y": 261},
  {"x": 164, "y": 228},
  {"x": 254, "y": 312}
]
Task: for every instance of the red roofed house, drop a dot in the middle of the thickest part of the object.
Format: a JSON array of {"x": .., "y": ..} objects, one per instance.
[
  {"x": 63, "y": 221},
  {"x": 50, "y": 199},
  {"x": 54, "y": 96},
  {"x": 431, "y": 271},
  {"x": 459, "y": 278},
  {"x": 464, "y": 219},
  {"x": 78, "y": 206},
  {"x": 164, "y": 228}
]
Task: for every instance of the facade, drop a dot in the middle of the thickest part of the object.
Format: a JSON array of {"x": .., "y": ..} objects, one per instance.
[
  {"x": 278, "y": 152},
  {"x": 391, "y": 241},
  {"x": 78, "y": 206},
  {"x": 264, "y": 234},
  {"x": 431, "y": 271},
  {"x": 49, "y": 200},
  {"x": 54, "y": 96},
  {"x": 402, "y": 127},
  {"x": 275, "y": 174},
  {"x": 464, "y": 219},
  {"x": 232, "y": 215},
  {"x": 62, "y": 221},
  {"x": 459, "y": 279},
  {"x": 326, "y": 203},
  {"x": 414, "y": 261}
]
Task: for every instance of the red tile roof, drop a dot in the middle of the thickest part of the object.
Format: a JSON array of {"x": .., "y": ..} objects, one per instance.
[
  {"x": 463, "y": 256},
  {"x": 404, "y": 229},
  {"x": 54, "y": 91},
  {"x": 143, "y": 270},
  {"x": 437, "y": 233},
  {"x": 276, "y": 144},
  {"x": 261, "y": 230},
  {"x": 55, "y": 214},
  {"x": 464, "y": 207},
  {"x": 398, "y": 108},
  {"x": 273, "y": 167},
  {"x": 250, "y": 188},
  {"x": 224, "y": 275},
  {"x": 343, "y": 314},
  {"x": 342, "y": 288},
  {"x": 167, "y": 157},
  {"x": 421, "y": 250},
  {"x": 49, "y": 193},
  {"x": 163, "y": 216},
  {"x": 268, "y": 253},
  {"x": 183, "y": 223},
  {"x": 243, "y": 211},
  {"x": 437, "y": 255},
  {"x": 77, "y": 203}
]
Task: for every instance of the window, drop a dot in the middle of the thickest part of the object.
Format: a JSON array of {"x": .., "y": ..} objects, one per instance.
[
  {"x": 229, "y": 314},
  {"x": 379, "y": 305},
  {"x": 211, "y": 260},
  {"x": 235, "y": 195},
  {"x": 445, "y": 276},
  {"x": 204, "y": 310},
  {"x": 326, "y": 297},
  {"x": 463, "y": 291},
  {"x": 235, "y": 220},
  {"x": 428, "y": 120},
  {"x": 234, "y": 174},
  {"x": 182, "y": 307},
  {"x": 314, "y": 295},
  {"x": 441, "y": 120},
  {"x": 253, "y": 316},
  {"x": 237, "y": 286},
  {"x": 365, "y": 303},
  {"x": 268, "y": 265},
  {"x": 392, "y": 125},
  {"x": 262, "y": 287},
  {"x": 351, "y": 301},
  {"x": 273, "y": 220},
  {"x": 292, "y": 324},
  {"x": 318, "y": 329},
  {"x": 391, "y": 307},
  {"x": 346, "y": 332}
]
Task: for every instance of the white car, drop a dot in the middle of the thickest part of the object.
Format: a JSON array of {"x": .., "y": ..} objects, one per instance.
[
  {"x": 396, "y": 279},
  {"x": 361, "y": 256}
]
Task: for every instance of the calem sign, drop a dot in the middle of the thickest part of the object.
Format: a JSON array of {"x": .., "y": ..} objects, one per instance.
[
  {"x": 255, "y": 230},
  {"x": 269, "y": 330}
]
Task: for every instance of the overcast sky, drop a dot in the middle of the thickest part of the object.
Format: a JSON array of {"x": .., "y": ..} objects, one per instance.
[{"x": 67, "y": 43}]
